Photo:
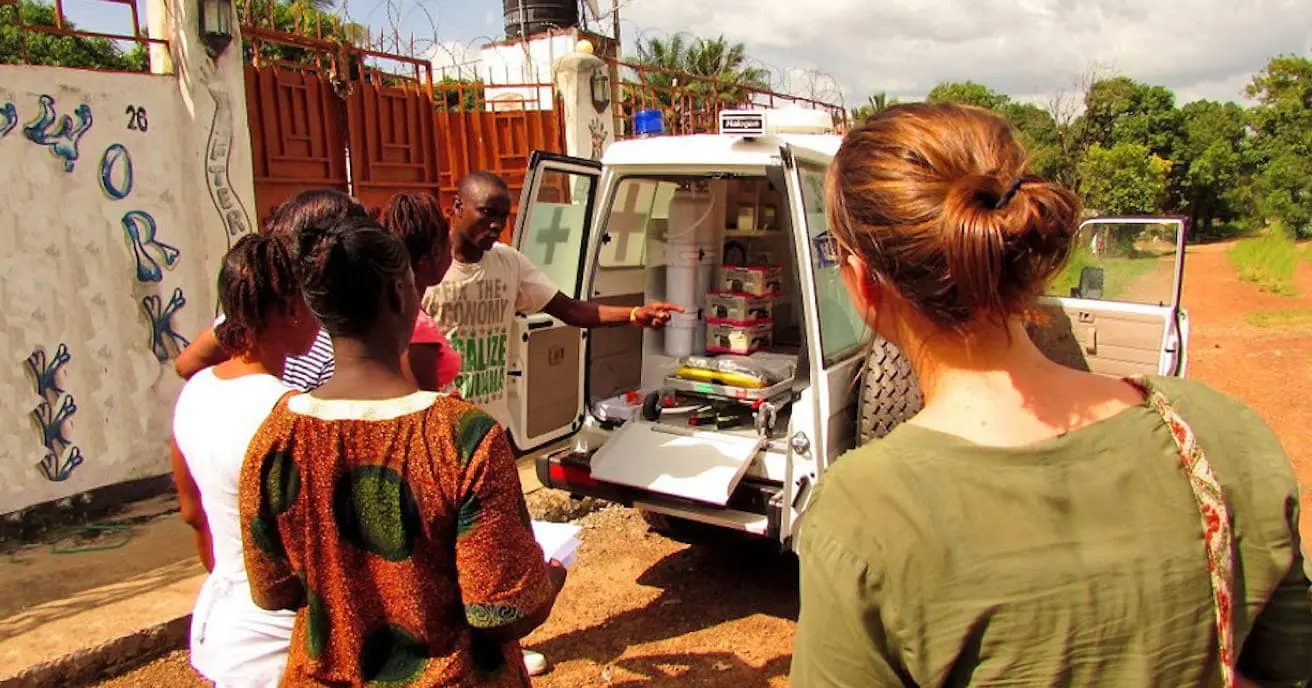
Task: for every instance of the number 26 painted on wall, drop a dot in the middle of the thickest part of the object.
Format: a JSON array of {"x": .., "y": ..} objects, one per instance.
[{"x": 137, "y": 118}]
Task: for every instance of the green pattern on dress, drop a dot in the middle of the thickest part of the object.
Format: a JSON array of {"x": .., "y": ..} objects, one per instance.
[
  {"x": 375, "y": 510},
  {"x": 471, "y": 429},
  {"x": 492, "y": 615},
  {"x": 391, "y": 656}
]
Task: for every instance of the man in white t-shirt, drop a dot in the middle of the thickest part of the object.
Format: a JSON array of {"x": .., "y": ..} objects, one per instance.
[{"x": 475, "y": 303}]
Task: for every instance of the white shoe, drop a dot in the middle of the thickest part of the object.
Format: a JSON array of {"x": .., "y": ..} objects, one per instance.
[{"x": 535, "y": 662}]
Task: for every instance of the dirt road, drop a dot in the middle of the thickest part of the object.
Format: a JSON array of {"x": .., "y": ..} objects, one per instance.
[{"x": 642, "y": 610}]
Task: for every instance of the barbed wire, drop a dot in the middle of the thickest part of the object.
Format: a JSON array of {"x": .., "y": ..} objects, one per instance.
[{"x": 400, "y": 17}]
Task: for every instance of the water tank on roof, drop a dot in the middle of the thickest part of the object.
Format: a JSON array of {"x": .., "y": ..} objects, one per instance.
[{"x": 525, "y": 18}]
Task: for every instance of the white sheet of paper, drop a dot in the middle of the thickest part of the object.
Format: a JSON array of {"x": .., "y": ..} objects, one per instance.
[{"x": 558, "y": 540}]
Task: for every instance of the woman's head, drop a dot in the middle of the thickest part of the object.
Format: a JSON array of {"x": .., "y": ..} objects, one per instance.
[
  {"x": 934, "y": 209},
  {"x": 311, "y": 208},
  {"x": 357, "y": 280},
  {"x": 417, "y": 220},
  {"x": 261, "y": 300}
]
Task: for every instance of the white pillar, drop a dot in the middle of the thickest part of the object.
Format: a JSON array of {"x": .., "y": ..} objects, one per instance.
[
  {"x": 157, "y": 26},
  {"x": 587, "y": 130}
]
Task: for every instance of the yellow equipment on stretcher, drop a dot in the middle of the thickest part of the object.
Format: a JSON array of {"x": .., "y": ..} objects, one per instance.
[{"x": 720, "y": 377}]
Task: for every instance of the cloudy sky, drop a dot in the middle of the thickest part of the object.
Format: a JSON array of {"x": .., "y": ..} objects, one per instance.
[{"x": 1027, "y": 48}]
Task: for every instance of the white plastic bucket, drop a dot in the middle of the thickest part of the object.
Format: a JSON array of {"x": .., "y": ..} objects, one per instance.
[{"x": 680, "y": 334}]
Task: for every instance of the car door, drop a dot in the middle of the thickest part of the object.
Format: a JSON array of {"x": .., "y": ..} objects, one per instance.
[
  {"x": 824, "y": 413},
  {"x": 1115, "y": 307},
  {"x": 545, "y": 357}
]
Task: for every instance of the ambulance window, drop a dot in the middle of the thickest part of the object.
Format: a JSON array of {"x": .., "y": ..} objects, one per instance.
[
  {"x": 639, "y": 204},
  {"x": 554, "y": 237},
  {"x": 842, "y": 330}
]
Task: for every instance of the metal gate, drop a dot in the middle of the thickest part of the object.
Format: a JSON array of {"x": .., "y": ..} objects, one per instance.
[{"x": 335, "y": 120}]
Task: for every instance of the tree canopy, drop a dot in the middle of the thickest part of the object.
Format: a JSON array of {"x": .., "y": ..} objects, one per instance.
[
  {"x": 19, "y": 45},
  {"x": 1133, "y": 150}
]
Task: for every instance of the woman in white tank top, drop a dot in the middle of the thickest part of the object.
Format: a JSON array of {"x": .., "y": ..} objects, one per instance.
[{"x": 234, "y": 643}]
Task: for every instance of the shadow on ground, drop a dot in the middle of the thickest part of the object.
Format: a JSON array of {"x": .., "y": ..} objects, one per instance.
[{"x": 735, "y": 583}]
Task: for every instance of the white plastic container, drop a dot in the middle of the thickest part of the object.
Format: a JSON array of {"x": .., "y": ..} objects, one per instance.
[{"x": 689, "y": 263}]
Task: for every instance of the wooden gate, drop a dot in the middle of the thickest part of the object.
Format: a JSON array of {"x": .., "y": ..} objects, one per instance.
[
  {"x": 376, "y": 133},
  {"x": 296, "y": 127}
]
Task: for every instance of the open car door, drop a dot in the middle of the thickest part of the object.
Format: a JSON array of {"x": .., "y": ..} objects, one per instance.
[
  {"x": 545, "y": 357},
  {"x": 1115, "y": 308},
  {"x": 824, "y": 413}
]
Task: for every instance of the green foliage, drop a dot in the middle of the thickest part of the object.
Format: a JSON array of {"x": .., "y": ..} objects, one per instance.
[
  {"x": 1132, "y": 150},
  {"x": 459, "y": 95},
  {"x": 1282, "y": 183},
  {"x": 875, "y": 104},
  {"x": 968, "y": 93},
  {"x": 1126, "y": 179},
  {"x": 726, "y": 63},
  {"x": 60, "y": 51},
  {"x": 303, "y": 18},
  {"x": 1119, "y": 274},
  {"x": 1268, "y": 261}
]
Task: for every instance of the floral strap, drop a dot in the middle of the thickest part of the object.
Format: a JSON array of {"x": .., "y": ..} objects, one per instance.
[{"x": 1215, "y": 521}]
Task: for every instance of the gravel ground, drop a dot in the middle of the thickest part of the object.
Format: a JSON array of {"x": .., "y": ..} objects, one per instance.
[{"x": 640, "y": 609}]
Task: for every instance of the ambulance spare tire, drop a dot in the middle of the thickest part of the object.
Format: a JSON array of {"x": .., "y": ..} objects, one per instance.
[{"x": 890, "y": 392}]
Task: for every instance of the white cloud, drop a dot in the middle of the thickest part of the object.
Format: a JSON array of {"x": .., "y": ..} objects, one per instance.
[{"x": 1026, "y": 48}]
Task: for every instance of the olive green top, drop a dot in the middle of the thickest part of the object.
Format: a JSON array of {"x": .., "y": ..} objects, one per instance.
[{"x": 929, "y": 560}]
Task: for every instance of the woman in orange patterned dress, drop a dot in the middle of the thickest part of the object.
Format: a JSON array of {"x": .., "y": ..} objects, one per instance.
[{"x": 391, "y": 519}]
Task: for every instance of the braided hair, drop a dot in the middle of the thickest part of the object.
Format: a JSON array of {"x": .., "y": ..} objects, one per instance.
[
  {"x": 310, "y": 208},
  {"x": 416, "y": 219},
  {"x": 345, "y": 268},
  {"x": 258, "y": 280}
]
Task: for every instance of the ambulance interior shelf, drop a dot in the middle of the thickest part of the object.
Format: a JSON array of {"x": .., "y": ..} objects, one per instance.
[{"x": 734, "y": 327}]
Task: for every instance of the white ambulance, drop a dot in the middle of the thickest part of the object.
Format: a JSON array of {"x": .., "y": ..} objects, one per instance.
[{"x": 731, "y": 415}]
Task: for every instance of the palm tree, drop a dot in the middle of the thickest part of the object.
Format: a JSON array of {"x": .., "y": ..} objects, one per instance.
[
  {"x": 875, "y": 104},
  {"x": 696, "y": 77}
]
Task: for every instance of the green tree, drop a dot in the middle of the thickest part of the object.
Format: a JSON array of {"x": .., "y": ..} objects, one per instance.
[
  {"x": 1038, "y": 129},
  {"x": 302, "y": 18},
  {"x": 968, "y": 93},
  {"x": 19, "y": 45},
  {"x": 1282, "y": 143},
  {"x": 726, "y": 63},
  {"x": 1122, "y": 110},
  {"x": 875, "y": 104},
  {"x": 1126, "y": 179},
  {"x": 1209, "y": 163}
]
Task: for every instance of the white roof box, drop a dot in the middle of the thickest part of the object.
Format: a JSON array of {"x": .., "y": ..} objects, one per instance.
[{"x": 791, "y": 120}]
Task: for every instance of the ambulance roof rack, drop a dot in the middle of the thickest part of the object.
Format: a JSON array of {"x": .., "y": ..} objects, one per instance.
[{"x": 792, "y": 120}]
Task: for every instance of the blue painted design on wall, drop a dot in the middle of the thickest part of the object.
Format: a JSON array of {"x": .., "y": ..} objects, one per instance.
[
  {"x": 52, "y": 421},
  {"x": 57, "y": 467},
  {"x": 46, "y": 372},
  {"x": 61, "y": 139},
  {"x": 8, "y": 119},
  {"x": 163, "y": 337},
  {"x": 52, "y": 413},
  {"x": 116, "y": 172},
  {"x": 140, "y": 229}
]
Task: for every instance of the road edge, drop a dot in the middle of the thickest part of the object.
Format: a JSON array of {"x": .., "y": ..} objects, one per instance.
[{"x": 112, "y": 658}]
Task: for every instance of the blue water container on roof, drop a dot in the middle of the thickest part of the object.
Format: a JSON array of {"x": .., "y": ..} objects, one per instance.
[{"x": 648, "y": 123}]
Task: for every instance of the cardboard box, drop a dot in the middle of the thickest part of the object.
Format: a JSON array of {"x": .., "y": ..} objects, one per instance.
[
  {"x": 738, "y": 338},
  {"x": 762, "y": 280},
  {"x": 742, "y": 308}
]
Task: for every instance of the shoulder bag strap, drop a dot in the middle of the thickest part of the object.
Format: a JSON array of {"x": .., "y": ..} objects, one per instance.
[{"x": 1215, "y": 518}]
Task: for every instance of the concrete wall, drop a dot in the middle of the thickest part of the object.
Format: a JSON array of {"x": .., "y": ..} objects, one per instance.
[{"x": 119, "y": 193}]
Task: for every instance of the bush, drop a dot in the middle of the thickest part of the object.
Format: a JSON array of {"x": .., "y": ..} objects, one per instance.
[{"x": 1267, "y": 261}]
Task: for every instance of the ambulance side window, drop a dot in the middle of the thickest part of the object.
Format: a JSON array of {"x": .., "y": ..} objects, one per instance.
[
  {"x": 842, "y": 329},
  {"x": 554, "y": 237}
]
